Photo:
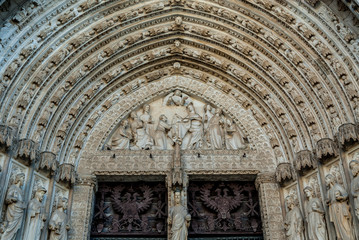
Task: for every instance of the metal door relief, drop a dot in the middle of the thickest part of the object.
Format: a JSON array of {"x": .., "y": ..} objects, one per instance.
[
  {"x": 224, "y": 209},
  {"x": 130, "y": 209}
]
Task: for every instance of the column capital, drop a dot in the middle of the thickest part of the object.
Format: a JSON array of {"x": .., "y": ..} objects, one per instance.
[
  {"x": 87, "y": 180},
  {"x": 266, "y": 177}
]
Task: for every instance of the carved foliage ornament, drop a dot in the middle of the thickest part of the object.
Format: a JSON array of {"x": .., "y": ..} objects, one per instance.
[
  {"x": 27, "y": 149},
  {"x": 7, "y": 135},
  {"x": 48, "y": 161},
  {"x": 304, "y": 160},
  {"x": 66, "y": 173},
  {"x": 130, "y": 209},
  {"x": 284, "y": 172},
  {"x": 326, "y": 148},
  {"x": 348, "y": 133}
]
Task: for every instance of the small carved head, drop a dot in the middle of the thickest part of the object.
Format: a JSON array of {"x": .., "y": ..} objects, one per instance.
[
  {"x": 62, "y": 203},
  {"x": 146, "y": 108},
  {"x": 20, "y": 177},
  {"x": 289, "y": 200},
  {"x": 177, "y": 197},
  {"x": 329, "y": 179},
  {"x": 308, "y": 190},
  {"x": 178, "y": 21},
  {"x": 40, "y": 193},
  {"x": 354, "y": 166},
  {"x": 163, "y": 118}
]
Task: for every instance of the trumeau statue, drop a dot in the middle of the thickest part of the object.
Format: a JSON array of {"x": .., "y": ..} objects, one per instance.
[
  {"x": 314, "y": 212},
  {"x": 354, "y": 167},
  {"x": 15, "y": 208},
  {"x": 150, "y": 127},
  {"x": 338, "y": 209},
  {"x": 58, "y": 224},
  {"x": 293, "y": 221},
  {"x": 35, "y": 216},
  {"x": 179, "y": 219}
]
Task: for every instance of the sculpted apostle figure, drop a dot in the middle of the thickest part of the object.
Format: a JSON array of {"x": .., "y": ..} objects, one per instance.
[
  {"x": 179, "y": 219},
  {"x": 293, "y": 221},
  {"x": 141, "y": 139},
  {"x": 338, "y": 209},
  {"x": 58, "y": 223},
  {"x": 215, "y": 130},
  {"x": 161, "y": 134},
  {"x": 315, "y": 216},
  {"x": 234, "y": 138},
  {"x": 15, "y": 208},
  {"x": 35, "y": 216},
  {"x": 194, "y": 134},
  {"x": 354, "y": 167}
]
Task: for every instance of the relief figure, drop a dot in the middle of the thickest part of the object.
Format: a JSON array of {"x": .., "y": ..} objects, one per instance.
[
  {"x": 233, "y": 136},
  {"x": 121, "y": 138},
  {"x": 193, "y": 137},
  {"x": 338, "y": 209},
  {"x": 293, "y": 221},
  {"x": 161, "y": 138},
  {"x": 58, "y": 224},
  {"x": 354, "y": 167},
  {"x": 179, "y": 219},
  {"x": 215, "y": 130},
  {"x": 141, "y": 139},
  {"x": 315, "y": 216}
]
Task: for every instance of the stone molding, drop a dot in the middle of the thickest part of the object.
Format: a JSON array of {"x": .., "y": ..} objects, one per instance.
[
  {"x": 326, "y": 149},
  {"x": 284, "y": 173},
  {"x": 66, "y": 173},
  {"x": 48, "y": 162},
  {"x": 27, "y": 149},
  {"x": 268, "y": 177},
  {"x": 304, "y": 160},
  {"x": 348, "y": 134},
  {"x": 87, "y": 180}
]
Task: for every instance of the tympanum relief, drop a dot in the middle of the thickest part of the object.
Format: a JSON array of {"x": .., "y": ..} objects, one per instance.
[{"x": 177, "y": 117}]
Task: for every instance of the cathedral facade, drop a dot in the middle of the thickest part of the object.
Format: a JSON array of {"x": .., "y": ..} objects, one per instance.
[{"x": 158, "y": 119}]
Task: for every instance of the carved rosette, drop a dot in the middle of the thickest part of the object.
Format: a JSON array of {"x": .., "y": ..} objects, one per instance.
[
  {"x": 348, "y": 134},
  {"x": 304, "y": 160},
  {"x": 48, "y": 162},
  {"x": 27, "y": 149},
  {"x": 66, "y": 173},
  {"x": 326, "y": 149},
  {"x": 284, "y": 173},
  {"x": 7, "y": 136}
]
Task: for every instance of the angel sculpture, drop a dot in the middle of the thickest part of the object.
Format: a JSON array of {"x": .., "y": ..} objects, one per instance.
[{"x": 131, "y": 207}]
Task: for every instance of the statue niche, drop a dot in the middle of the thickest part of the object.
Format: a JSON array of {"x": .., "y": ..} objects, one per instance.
[{"x": 177, "y": 117}]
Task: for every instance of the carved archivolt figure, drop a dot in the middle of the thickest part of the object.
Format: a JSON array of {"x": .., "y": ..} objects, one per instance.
[
  {"x": 293, "y": 221},
  {"x": 194, "y": 134},
  {"x": 354, "y": 167},
  {"x": 161, "y": 138},
  {"x": 35, "y": 216},
  {"x": 15, "y": 208},
  {"x": 179, "y": 219},
  {"x": 121, "y": 138},
  {"x": 315, "y": 216},
  {"x": 58, "y": 224},
  {"x": 177, "y": 98},
  {"x": 338, "y": 209}
]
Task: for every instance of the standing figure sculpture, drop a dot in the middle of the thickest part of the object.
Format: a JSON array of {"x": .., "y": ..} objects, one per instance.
[
  {"x": 194, "y": 134},
  {"x": 140, "y": 137},
  {"x": 146, "y": 118},
  {"x": 315, "y": 216},
  {"x": 338, "y": 209},
  {"x": 293, "y": 221},
  {"x": 233, "y": 138},
  {"x": 35, "y": 216},
  {"x": 177, "y": 98},
  {"x": 354, "y": 167},
  {"x": 15, "y": 208},
  {"x": 179, "y": 219},
  {"x": 58, "y": 224},
  {"x": 162, "y": 140},
  {"x": 215, "y": 130}
]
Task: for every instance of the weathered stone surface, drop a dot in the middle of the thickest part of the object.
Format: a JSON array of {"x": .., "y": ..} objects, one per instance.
[
  {"x": 284, "y": 173},
  {"x": 304, "y": 160},
  {"x": 326, "y": 149}
]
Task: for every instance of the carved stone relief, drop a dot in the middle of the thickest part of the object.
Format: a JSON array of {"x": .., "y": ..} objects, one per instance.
[
  {"x": 195, "y": 124},
  {"x": 294, "y": 221}
]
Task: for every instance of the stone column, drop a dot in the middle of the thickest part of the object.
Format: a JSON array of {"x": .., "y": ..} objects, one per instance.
[
  {"x": 270, "y": 204},
  {"x": 82, "y": 207}
]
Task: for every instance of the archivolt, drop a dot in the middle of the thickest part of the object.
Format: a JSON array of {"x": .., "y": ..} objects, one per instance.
[{"x": 274, "y": 62}]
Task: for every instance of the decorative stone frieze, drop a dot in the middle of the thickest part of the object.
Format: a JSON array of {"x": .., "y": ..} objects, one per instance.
[
  {"x": 304, "y": 160},
  {"x": 284, "y": 173},
  {"x": 66, "y": 173},
  {"x": 7, "y": 136},
  {"x": 348, "y": 134},
  {"x": 48, "y": 162},
  {"x": 326, "y": 149},
  {"x": 27, "y": 149}
]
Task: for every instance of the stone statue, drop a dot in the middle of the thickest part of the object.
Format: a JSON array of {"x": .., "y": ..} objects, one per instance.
[
  {"x": 141, "y": 139},
  {"x": 194, "y": 134},
  {"x": 233, "y": 136},
  {"x": 177, "y": 98},
  {"x": 121, "y": 138},
  {"x": 35, "y": 216},
  {"x": 215, "y": 130},
  {"x": 293, "y": 221},
  {"x": 58, "y": 224},
  {"x": 338, "y": 209},
  {"x": 207, "y": 115},
  {"x": 146, "y": 118},
  {"x": 315, "y": 216},
  {"x": 161, "y": 137},
  {"x": 354, "y": 167},
  {"x": 15, "y": 208},
  {"x": 179, "y": 219}
]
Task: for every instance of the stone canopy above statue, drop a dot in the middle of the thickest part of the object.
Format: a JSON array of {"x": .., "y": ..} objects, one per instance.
[{"x": 176, "y": 117}]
